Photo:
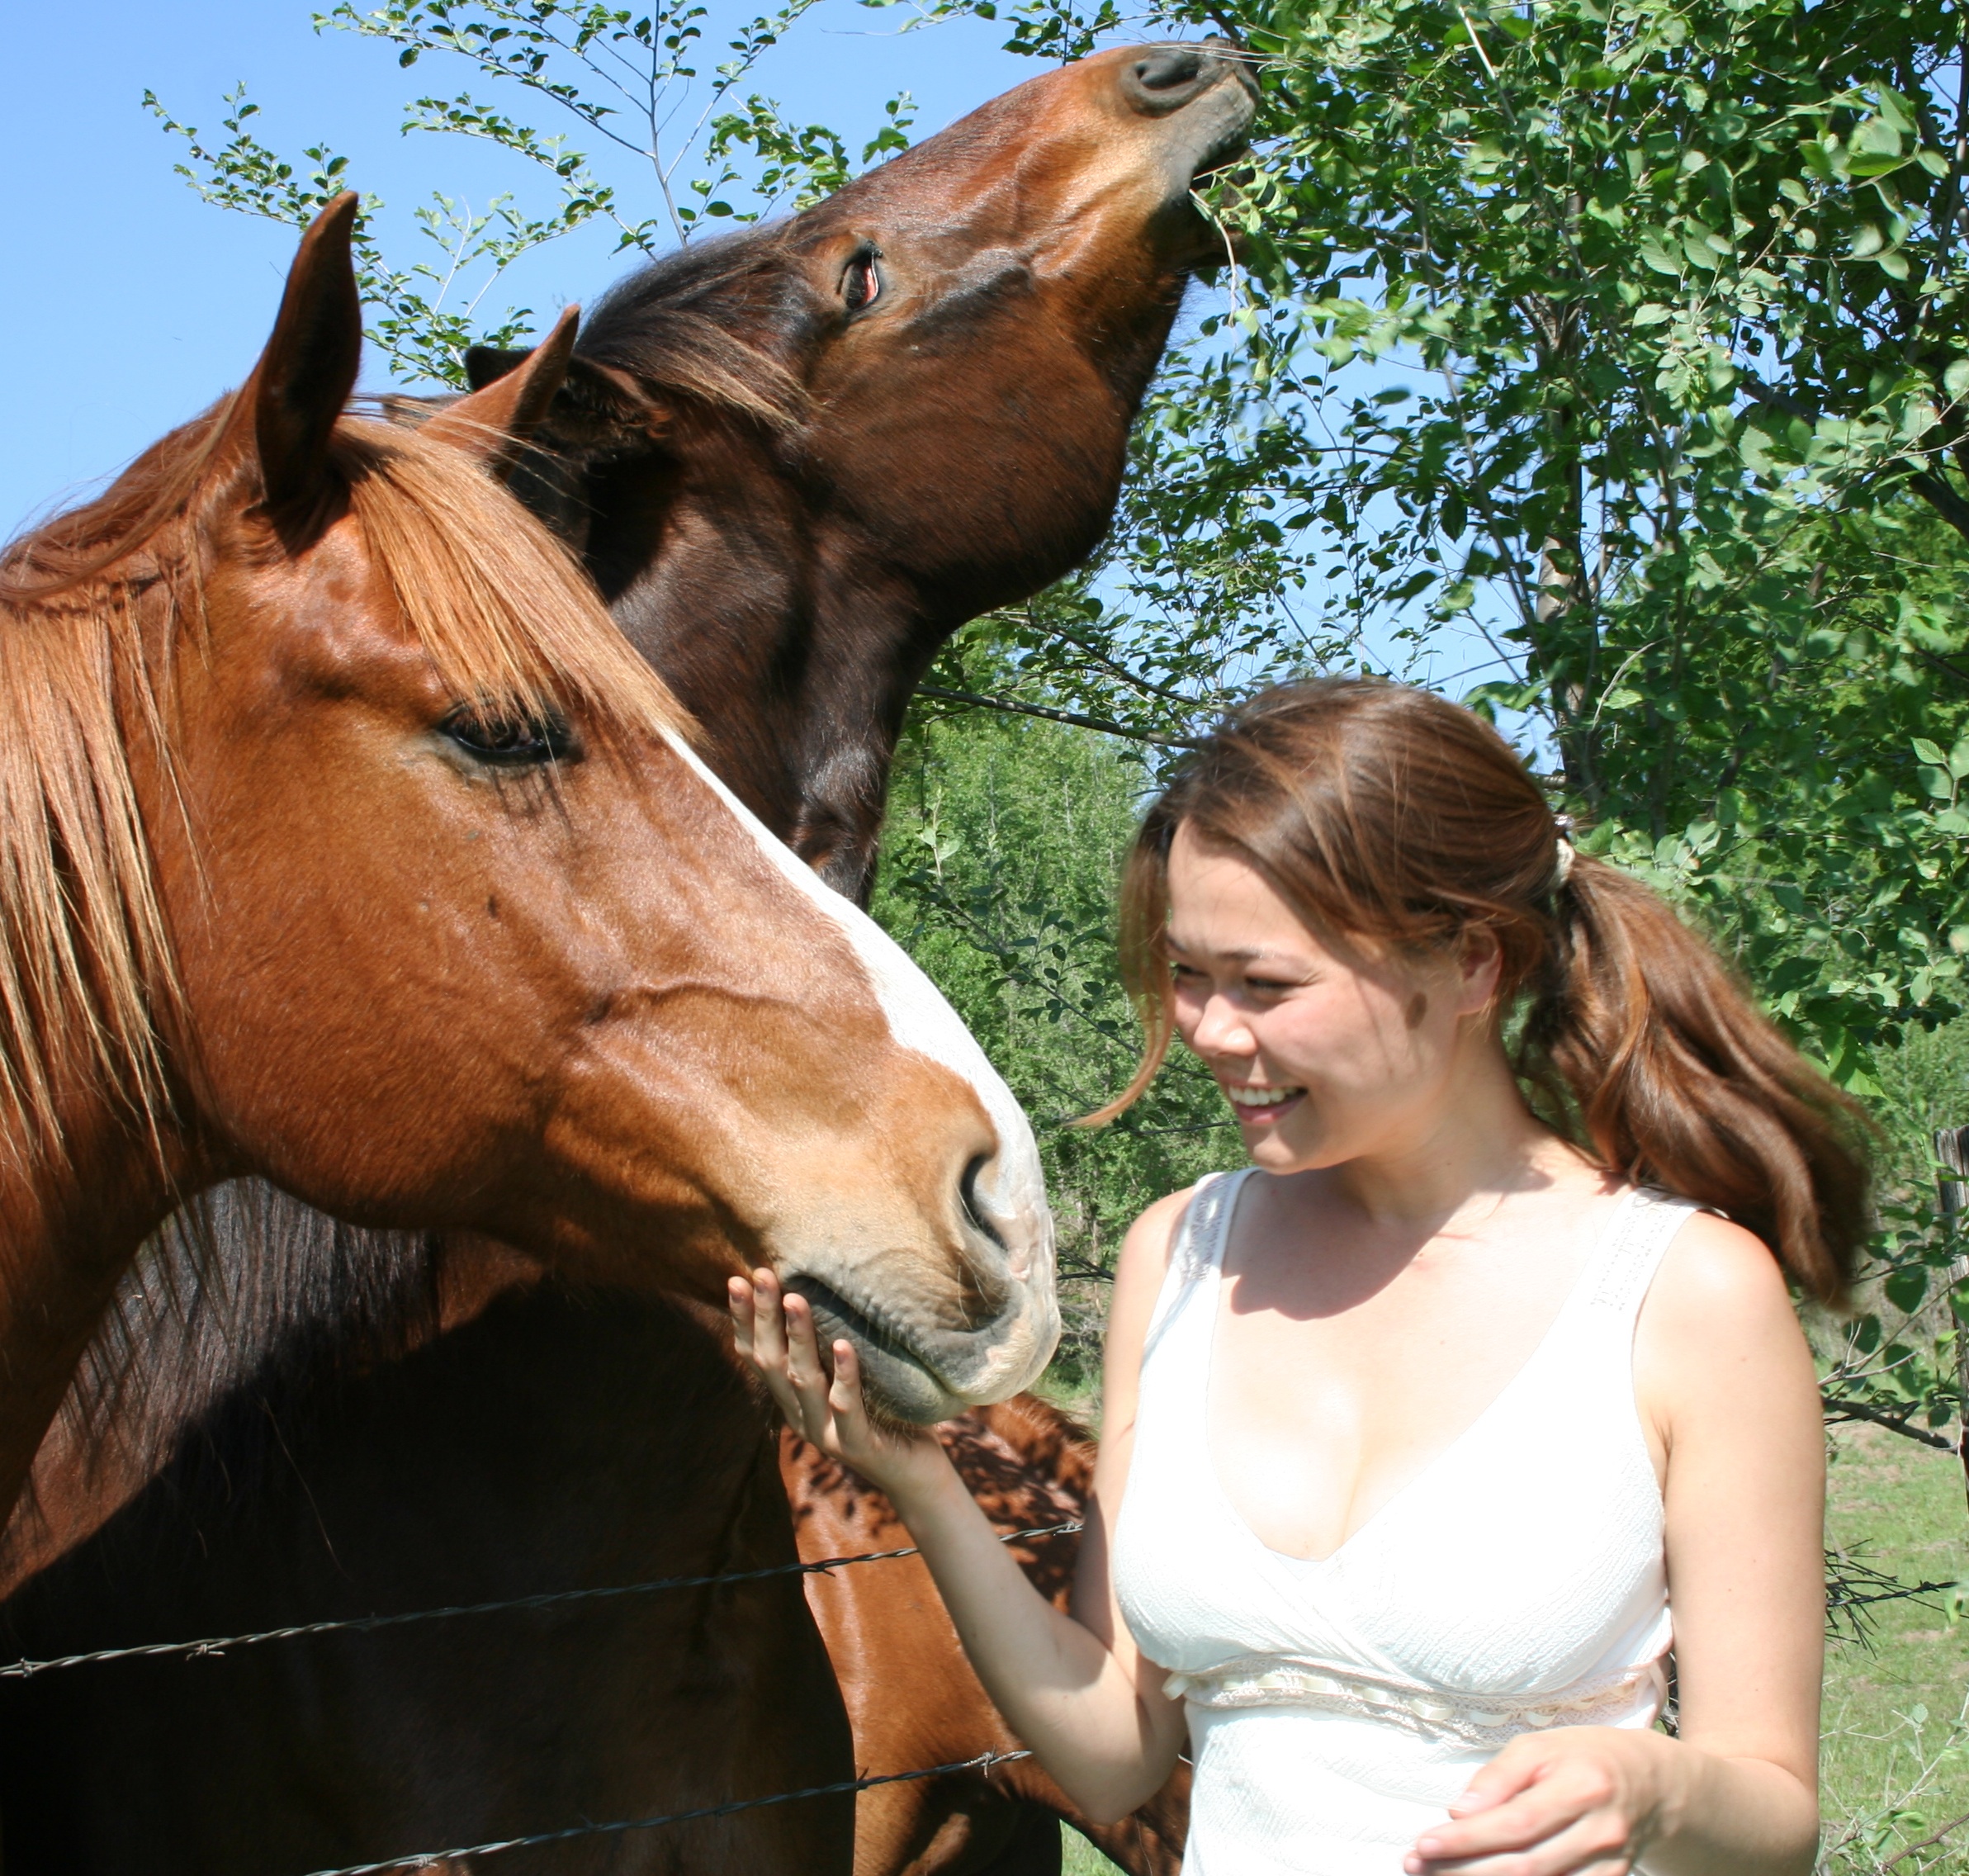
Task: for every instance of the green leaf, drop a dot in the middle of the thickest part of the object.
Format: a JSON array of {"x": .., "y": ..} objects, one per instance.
[{"x": 1906, "y": 1288}]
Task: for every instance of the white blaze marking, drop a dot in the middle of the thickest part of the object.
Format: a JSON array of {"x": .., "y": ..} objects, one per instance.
[{"x": 919, "y": 1017}]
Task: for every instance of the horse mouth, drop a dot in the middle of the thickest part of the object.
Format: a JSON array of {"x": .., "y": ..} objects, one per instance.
[{"x": 897, "y": 1382}]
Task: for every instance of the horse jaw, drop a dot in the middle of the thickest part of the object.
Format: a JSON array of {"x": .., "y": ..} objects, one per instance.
[{"x": 918, "y": 1368}]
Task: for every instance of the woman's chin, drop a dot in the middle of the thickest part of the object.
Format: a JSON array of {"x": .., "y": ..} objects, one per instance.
[{"x": 1277, "y": 1146}]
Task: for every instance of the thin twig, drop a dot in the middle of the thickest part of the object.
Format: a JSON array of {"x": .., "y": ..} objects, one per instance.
[
  {"x": 1838, "y": 1410},
  {"x": 1927, "y": 1843},
  {"x": 1052, "y": 716}
]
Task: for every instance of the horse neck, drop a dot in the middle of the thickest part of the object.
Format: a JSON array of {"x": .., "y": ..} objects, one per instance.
[
  {"x": 69, "y": 1228},
  {"x": 244, "y": 1291},
  {"x": 793, "y": 648}
]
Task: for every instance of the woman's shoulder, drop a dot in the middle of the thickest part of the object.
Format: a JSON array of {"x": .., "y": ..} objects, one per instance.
[
  {"x": 1718, "y": 1330},
  {"x": 1139, "y": 1273}
]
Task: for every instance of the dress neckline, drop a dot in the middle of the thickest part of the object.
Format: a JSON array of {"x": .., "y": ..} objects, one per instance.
[{"x": 1609, "y": 1234}]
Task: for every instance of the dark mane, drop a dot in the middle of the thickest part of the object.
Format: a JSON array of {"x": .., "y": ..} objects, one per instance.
[
  {"x": 242, "y": 1298},
  {"x": 676, "y": 324}
]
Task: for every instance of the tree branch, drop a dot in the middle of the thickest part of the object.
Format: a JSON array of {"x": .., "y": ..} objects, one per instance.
[
  {"x": 1941, "y": 664},
  {"x": 1936, "y": 492},
  {"x": 1052, "y": 716},
  {"x": 1838, "y": 1410},
  {"x": 1954, "y": 1824}
]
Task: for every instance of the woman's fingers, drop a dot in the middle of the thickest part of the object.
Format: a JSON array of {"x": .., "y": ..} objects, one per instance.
[
  {"x": 1564, "y": 1819},
  {"x": 804, "y": 1370},
  {"x": 758, "y": 1326},
  {"x": 1594, "y": 1846}
]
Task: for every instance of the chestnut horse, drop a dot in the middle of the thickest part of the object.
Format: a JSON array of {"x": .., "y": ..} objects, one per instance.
[
  {"x": 735, "y": 428},
  {"x": 342, "y": 840},
  {"x": 912, "y": 1698}
]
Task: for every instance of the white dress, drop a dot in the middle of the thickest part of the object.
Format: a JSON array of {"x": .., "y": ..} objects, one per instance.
[{"x": 1336, "y": 1706}]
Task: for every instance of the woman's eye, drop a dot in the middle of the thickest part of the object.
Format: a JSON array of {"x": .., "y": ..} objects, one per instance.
[
  {"x": 508, "y": 739},
  {"x": 861, "y": 285}
]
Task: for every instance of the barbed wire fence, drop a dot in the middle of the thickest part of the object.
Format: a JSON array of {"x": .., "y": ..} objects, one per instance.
[
  {"x": 215, "y": 1646},
  {"x": 1853, "y": 1587}
]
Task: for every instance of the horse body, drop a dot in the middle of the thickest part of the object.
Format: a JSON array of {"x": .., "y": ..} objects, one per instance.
[{"x": 788, "y": 541}]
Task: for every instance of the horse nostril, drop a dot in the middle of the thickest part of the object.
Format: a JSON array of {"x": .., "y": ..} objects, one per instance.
[
  {"x": 1168, "y": 77},
  {"x": 975, "y": 1214},
  {"x": 1168, "y": 68}
]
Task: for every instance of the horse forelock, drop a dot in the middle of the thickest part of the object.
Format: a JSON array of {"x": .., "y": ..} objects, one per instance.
[
  {"x": 672, "y": 324},
  {"x": 92, "y": 605}
]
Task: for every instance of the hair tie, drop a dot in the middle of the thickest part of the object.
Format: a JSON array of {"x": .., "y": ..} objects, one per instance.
[{"x": 1562, "y": 865}]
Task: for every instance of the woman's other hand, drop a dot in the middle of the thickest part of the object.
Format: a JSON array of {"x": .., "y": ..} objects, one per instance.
[
  {"x": 775, "y": 1333},
  {"x": 1577, "y": 1800}
]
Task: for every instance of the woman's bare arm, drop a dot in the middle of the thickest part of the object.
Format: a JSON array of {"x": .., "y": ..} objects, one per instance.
[{"x": 1073, "y": 1688}]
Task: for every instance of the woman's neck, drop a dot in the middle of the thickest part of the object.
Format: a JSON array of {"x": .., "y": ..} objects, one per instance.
[{"x": 1476, "y": 1144}]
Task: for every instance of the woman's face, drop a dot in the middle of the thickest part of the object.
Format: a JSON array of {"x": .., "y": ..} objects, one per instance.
[{"x": 1327, "y": 1053}]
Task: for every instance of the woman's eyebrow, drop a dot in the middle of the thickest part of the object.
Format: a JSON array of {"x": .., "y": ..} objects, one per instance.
[{"x": 1243, "y": 953}]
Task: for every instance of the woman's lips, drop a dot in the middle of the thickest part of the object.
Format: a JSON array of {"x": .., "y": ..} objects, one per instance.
[{"x": 1255, "y": 1104}]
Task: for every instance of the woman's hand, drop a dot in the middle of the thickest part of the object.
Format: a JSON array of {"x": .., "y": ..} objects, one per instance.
[
  {"x": 775, "y": 1333},
  {"x": 1577, "y": 1800}
]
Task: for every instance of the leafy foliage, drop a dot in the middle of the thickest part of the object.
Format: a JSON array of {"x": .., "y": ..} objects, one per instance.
[{"x": 624, "y": 78}]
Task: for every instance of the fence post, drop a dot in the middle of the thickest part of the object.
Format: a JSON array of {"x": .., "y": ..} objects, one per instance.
[{"x": 1952, "y": 1150}]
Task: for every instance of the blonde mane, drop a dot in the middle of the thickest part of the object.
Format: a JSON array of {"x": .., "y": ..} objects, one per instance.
[{"x": 94, "y": 607}]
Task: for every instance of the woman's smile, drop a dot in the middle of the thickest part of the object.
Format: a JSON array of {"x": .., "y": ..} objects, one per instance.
[{"x": 1259, "y": 1104}]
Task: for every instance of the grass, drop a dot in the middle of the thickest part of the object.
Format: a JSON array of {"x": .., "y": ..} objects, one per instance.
[
  {"x": 1895, "y": 1764},
  {"x": 1896, "y": 1755}
]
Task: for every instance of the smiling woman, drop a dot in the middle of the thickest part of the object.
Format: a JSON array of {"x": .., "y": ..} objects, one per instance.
[{"x": 1392, "y": 1650}]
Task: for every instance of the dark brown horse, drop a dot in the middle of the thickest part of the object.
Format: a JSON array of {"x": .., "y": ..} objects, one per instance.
[
  {"x": 800, "y": 457},
  {"x": 745, "y": 422}
]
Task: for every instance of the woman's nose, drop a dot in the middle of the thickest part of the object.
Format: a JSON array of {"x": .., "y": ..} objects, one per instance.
[{"x": 1222, "y": 1029}]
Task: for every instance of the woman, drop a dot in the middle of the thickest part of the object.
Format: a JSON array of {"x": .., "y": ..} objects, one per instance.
[{"x": 1411, "y": 1426}]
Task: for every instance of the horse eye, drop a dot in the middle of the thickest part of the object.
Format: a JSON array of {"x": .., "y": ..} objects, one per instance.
[
  {"x": 861, "y": 285},
  {"x": 508, "y": 739}
]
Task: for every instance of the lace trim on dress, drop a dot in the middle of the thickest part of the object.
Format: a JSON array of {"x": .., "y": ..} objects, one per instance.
[{"x": 1488, "y": 1721}]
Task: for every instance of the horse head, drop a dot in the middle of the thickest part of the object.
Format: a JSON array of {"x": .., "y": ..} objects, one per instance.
[
  {"x": 796, "y": 458},
  {"x": 348, "y": 844}
]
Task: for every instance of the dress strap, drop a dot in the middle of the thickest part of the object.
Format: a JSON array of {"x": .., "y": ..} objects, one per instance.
[
  {"x": 1649, "y": 1220},
  {"x": 1197, "y": 1255}
]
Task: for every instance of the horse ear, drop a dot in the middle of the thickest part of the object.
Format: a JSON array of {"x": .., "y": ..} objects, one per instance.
[
  {"x": 493, "y": 422},
  {"x": 596, "y": 407},
  {"x": 306, "y": 373}
]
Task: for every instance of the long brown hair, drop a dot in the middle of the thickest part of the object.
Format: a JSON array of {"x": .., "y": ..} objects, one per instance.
[{"x": 1389, "y": 814}]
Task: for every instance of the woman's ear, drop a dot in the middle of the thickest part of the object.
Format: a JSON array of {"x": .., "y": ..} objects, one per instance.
[{"x": 1480, "y": 964}]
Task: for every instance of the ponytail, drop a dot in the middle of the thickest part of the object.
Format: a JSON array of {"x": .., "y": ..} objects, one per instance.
[{"x": 1390, "y": 814}]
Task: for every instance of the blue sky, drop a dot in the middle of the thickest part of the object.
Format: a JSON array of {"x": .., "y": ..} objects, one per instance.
[{"x": 133, "y": 304}]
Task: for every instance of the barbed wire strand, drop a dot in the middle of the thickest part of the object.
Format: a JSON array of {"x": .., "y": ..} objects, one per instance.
[
  {"x": 214, "y": 1645},
  {"x": 421, "y": 1858}
]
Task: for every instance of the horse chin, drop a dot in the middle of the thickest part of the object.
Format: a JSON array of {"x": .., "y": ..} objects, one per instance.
[{"x": 906, "y": 1384}]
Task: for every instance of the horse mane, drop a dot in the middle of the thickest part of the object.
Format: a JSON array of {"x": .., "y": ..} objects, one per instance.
[
  {"x": 232, "y": 1307},
  {"x": 676, "y": 324},
  {"x": 93, "y": 606}
]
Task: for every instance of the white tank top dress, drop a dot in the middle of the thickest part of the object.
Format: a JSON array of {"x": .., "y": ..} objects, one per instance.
[{"x": 1336, "y": 1706}]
